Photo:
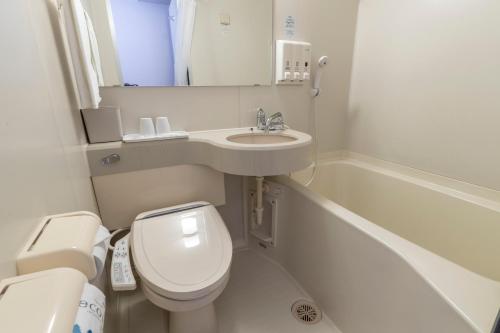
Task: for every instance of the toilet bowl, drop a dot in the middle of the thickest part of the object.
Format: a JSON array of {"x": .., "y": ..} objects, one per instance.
[{"x": 183, "y": 256}]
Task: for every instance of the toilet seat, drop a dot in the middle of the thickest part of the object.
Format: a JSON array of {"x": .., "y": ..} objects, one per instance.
[{"x": 182, "y": 253}]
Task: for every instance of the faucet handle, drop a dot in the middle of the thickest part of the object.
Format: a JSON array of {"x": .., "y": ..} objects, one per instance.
[
  {"x": 277, "y": 115},
  {"x": 275, "y": 122}
]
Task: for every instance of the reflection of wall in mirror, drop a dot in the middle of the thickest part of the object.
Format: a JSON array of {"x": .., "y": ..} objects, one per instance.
[
  {"x": 100, "y": 12},
  {"x": 232, "y": 43},
  {"x": 144, "y": 41}
]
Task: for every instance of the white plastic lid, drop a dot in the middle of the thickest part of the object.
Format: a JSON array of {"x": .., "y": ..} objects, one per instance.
[
  {"x": 41, "y": 302},
  {"x": 64, "y": 240},
  {"x": 182, "y": 255}
]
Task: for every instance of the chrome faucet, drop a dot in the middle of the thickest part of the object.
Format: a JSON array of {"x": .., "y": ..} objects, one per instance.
[{"x": 275, "y": 122}]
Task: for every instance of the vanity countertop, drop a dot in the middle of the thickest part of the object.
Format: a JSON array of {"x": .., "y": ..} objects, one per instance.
[{"x": 232, "y": 151}]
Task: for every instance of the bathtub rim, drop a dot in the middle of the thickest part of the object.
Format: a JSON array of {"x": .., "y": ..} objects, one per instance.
[
  {"x": 479, "y": 195},
  {"x": 460, "y": 189}
]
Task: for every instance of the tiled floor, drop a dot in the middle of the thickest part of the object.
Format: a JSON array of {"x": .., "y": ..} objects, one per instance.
[{"x": 257, "y": 299}]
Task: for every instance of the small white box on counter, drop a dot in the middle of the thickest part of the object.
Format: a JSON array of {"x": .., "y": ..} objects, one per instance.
[{"x": 103, "y": 124}]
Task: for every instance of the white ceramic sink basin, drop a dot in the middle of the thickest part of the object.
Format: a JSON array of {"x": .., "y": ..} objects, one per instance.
[{"x": 261, "y": 139}]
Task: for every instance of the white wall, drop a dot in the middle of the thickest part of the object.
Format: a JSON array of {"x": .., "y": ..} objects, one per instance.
[
  {"x": 235, "y": 54},
  {"x": 426, "y": 86},
  {"x": 328, "y": 24},
  {"x": 44, "y": 170}
]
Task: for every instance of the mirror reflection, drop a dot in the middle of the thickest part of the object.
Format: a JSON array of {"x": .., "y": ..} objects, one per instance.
[{"x": 180, "y": 42}]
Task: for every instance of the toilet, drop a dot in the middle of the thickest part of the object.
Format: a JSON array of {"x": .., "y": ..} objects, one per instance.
[{"x": 183, "y": 256}]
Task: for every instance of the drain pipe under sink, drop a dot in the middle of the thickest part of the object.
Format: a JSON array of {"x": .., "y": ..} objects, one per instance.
[{"x": 259, "y": 207}]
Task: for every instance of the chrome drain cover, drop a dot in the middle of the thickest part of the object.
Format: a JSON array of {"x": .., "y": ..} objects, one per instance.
[{"x": 306, "y": 312}]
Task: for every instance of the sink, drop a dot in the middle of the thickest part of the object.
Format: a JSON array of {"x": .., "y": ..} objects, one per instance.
[
  {"x": 243, "y": 151},
  {"x": 261, "y": 139}
]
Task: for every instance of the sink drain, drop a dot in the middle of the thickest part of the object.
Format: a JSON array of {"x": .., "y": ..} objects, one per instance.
[{"x": 306, "y": 312}]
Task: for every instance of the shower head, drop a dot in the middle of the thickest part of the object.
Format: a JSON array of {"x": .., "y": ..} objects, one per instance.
[{"x": 323, "y": 61}]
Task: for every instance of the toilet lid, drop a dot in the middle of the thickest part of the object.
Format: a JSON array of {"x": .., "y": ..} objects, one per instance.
[{"x": 182, "y": 254}]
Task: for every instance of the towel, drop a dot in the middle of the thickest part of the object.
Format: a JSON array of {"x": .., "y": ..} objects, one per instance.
[
  {"x": 84, "y": 53},
  {"x": 94, "y": 49}
]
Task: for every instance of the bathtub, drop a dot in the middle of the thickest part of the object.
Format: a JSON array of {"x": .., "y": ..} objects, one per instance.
[{"x": 388, "y": 249}]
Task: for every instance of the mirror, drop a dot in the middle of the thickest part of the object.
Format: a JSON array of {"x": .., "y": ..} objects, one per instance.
[{"x": 151, "y": 43}]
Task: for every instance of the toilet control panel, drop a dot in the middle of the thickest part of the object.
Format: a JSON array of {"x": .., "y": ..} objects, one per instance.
[{"x": 122, "y": 277}]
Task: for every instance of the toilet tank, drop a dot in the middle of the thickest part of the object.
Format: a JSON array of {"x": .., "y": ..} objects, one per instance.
[{"x": 122, "y": 196}]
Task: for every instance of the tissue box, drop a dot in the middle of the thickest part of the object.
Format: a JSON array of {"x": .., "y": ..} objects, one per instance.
[{"x": 103, "y": 124}]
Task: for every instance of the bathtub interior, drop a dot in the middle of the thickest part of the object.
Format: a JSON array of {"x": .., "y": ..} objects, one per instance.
[{"x": 433, "y": 217}]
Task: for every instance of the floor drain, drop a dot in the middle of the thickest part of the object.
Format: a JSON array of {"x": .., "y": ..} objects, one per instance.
[{"x": 306, "y": 312}]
